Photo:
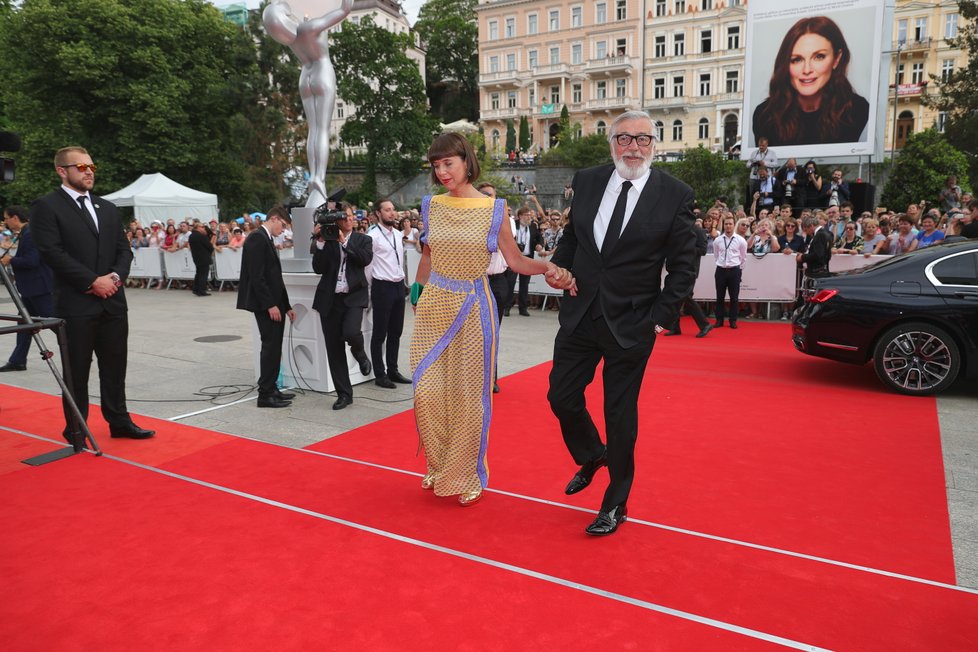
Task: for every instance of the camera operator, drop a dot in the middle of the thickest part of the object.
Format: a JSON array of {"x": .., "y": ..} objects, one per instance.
[
  {"x": 788, "y": 177},
  {"x": 339, "y": 255},
  {"x": 811, "y": 187},
  {"x": 761, "y": 155},
  {"x": 838, "y": 191}
]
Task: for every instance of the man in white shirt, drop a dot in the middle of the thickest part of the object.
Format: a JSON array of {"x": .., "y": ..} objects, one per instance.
[
  {"x": 762, "y": 155},
  {"x": 730, "y": 251},
  {"x": 387, "y": 295}
]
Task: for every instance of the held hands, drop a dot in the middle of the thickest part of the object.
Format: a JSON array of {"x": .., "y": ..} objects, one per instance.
[
  {"x": 103, "y": 287},
  {"x": 561, "y": 279}
]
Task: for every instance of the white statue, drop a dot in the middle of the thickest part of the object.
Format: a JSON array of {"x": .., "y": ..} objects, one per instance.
[{"x": 309, "y": 40}]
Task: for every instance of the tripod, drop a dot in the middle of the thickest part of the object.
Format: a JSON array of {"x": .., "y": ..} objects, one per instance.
[{"x": 77, "y": 426}]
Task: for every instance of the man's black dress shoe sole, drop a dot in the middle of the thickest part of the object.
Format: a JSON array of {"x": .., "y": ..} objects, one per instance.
[
  {"x": 134, "y": 432},
  {"x": 385, "y": 382},
  {"x": 398, "y": 378},
  {"x": 342, "y": 402},
  {"x": 13, "y": 367},
  {"x": 273, "y": 402},
  {"x": 706, "y": 329},
  {"x": 607, "y": 522},
  {"x": 584, "y": 475}
]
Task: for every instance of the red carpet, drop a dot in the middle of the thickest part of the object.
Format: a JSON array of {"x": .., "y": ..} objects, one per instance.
[{"x": 111, "y": 556}]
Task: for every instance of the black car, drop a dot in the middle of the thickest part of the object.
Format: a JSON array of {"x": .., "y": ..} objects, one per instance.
[{"x": 914, "y": 315}]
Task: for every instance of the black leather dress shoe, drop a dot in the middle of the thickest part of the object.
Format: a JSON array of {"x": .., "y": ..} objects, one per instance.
[
  {"x": 733, "y": 325},
  {"x": 705, "y": 331},
  {"x": 385, "y": 382},
  {"x": 284, "y": 396},
  {"x": 584, "y": 475},
  {"x": 607, "y": 521},
  {"x": 398, "y": 378},
  {"x": 672, "y": 333},
  {"x": 342, "y": 402},
  {"x": 495, "y": 388},
  {"x": 719, "y": 324},
  {"x": 272, "y": 402},
  {"x": 506, "y": 312},
  {"x": 13, "y": 367},
  {"x": 364, "y": 362},
  {"x": 524, "y": 313},
  {"x": 131, "y": 431}
]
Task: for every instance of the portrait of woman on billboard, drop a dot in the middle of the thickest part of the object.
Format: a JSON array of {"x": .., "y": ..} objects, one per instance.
[{"x": 810, "y": 100}]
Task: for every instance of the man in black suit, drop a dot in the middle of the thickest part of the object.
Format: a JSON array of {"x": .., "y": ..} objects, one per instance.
[
  {"x": 261, "y": 290},
  {"x": 80, "y": 237},
  {"x": 201, "y": 251},
  {"x": 620, "y": 304},
  {"x": 819, "y": 250},
  {"x": 33, "y": 279},
  {"x": 341, "y": 297},
  {"x": 688, "y": 304},
  {"x": 527, "y": 240}
]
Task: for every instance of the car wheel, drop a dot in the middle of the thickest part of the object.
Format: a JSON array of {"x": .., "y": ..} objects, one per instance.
[{"x": 917, "y": 359}]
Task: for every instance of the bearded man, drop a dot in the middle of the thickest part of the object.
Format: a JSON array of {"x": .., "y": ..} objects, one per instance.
[{"x": 627, "y": 221}]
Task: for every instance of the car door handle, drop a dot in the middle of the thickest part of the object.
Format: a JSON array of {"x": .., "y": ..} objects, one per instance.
[{"x": 973, "y": 296}]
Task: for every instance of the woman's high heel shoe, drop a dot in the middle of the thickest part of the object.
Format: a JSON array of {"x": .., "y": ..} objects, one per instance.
[
  {"x": 428, "y": 481},
  {"x": 470, "y": 498}
]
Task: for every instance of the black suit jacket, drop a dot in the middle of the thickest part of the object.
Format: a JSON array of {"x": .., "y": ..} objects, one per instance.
[
  {"x": 77, "y": 253},
  {"x": 33, "y": 277},
  {"x": 359, "y": 254},
  {"x": 200, "y": 248},
  {"x": 819, "y": 252},
  {"x": 776, "y": 192},
  {"x": 629, "y": 285},
  {"x": 260, "y": 285}
]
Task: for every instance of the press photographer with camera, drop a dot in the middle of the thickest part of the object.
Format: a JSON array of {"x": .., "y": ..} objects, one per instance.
[
  {"x": 811, "y": 187},
  {"x": 339, "y": 255}
]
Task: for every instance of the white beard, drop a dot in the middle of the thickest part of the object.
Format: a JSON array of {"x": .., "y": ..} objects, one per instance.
[{"x": 632, "y": 172}]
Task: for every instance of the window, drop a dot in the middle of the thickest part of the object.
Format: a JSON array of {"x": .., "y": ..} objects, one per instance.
[
  {"x": 733, "y": 37},
  {"x": 620, "y": 47},
  {"x": 947, "y": 69},
  {"x": 941, "y": 121},
  {"x": 660, "y": 7},
  {"x": 600, "y": 13},
  {"x": 577, "y": 94},
  {"x": 495, "y": 139},
  {"x": 706, "y": 41},
  {"x": 576, "y": 53},
  {"x": 577, "y": 16},
  {"x": 920, "y": 29},
  {"x": 340, "y": 110},
  {"x": 899, "y": 74},
  {"x": 531, "y": 24},
  {"x": 620, "y": 88},
  {"x": 677, "y": 130},
  {"x": 660, "y": 130},
  {"x": 951, "y": 26},
  {"x": 678, "y": 86},
  {"x": 600, "y": 49},
  {"x": 680, "y": 7},
  {"x": 493, "y": 64},
  {"x": 704, "y": 84},
  {"x": 511, "y": 99},
  {"x": 532, "y": 93},
  {"x": 957, "y": 270},
  {"x": 494, "y": 101},
  {"x": 706, "y": 5},
  {"x": 554, "y": 20},
  {"x": 621, "y": 9},
  {"x": 493, "y": 30},
  {"x": 704, "y": 129},
  {"x": 510, "y": 62},
  {"x": 600, "y": 90},
  {"x": 901, "y": 31},
  {"x": 601, "y": 127},
  {"x": 679, "y": 45},
  {"x": 555, "y": 94},
  {"x": 659, "y": 88},
  {"x": 733, "y": 81},
  {"x": 554, "y": 56},
  {"x": 531, "y": 59},
  {"x": 917, "y": 73},
  {"x": 660, "y": 46}
]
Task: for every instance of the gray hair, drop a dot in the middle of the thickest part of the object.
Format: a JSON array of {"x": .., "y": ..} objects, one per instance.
[
  {"x": 809, "y": 221},
  {"x": 631, "y": 115}
]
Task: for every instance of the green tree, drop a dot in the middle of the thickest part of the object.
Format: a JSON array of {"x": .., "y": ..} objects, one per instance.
[
  {"x": 449, "y": 31},
  {"x": 958, "y": 96},
  {"x": 564, "y": 126},
  {"x": 510, "y": 136},
  {"x": 145, "y": 85},
  {"x": 579, "y": 153},
  {"x": 921, "y": 169},
  {"x": 391, "y": 119},
  {"x": 524, "y": 138},
  {"x": 710, "y": 175}
]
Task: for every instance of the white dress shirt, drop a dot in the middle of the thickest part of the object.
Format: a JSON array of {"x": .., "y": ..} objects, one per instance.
[
  {"x": 497, "y": 263},
  {"x": 88, "y": 203},
  {"x": 610, "y": 198},
  {"x": 730, "y": 251},
  {"x": 388, "y": 263}
]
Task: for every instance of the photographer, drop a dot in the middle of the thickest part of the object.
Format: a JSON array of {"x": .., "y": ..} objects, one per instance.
[
  {"x": 788, "y": 178},
  {"x": 33, "y": 278},
  {"x": 339, "y": 255},
  {"x": 838, "y": 191},
  {"x": 761, "y": 156},
  {"x": 812, "y": 187}
]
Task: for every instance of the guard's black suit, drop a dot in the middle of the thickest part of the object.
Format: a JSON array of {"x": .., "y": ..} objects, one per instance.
[
  {"x": 817, "y": 256},
  {"x": 201, "y": 251},
  {"x": 631, "y": 299},
  {"x": 261, "y": 287},
  {"x": 78, "y": 253},
  {"x": 341, "y": 315}
]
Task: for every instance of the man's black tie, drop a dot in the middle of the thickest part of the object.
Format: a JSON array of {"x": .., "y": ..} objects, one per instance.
[
  {"x": 617, "y": 218},
  {"x": 81, "y": 203}
]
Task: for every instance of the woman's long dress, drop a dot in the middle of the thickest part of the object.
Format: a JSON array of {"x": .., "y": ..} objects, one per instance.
[{"x": 453, "y": 350}]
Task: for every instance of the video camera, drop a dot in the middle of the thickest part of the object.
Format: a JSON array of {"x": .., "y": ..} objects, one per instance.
[
  {"x": 328, "y": 214},
  {"x": 9, "y": 142}
]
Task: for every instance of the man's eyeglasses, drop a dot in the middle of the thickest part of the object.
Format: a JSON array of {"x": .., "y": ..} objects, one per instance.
[
  {"x": 82, "y": 167},
  {"x": 624, "y": 140}
]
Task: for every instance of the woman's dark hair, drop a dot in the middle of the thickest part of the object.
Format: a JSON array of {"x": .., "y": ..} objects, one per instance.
[
  {"x": 452, "y": 144},
  {"x": 782, "y": 109}
]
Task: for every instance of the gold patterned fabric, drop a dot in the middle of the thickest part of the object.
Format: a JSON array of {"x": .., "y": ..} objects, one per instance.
[{"x": 453, "y": 349}]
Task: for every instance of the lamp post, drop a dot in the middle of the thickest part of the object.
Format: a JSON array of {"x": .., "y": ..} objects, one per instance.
[{"x": 896, "y": 96}]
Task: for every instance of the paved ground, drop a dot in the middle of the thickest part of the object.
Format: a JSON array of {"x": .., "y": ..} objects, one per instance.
[{"x": 174, "y": 376}]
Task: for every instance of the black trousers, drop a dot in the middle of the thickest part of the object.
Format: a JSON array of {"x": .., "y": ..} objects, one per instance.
[
  {"x": 728, "y": 282},
  {"x": 107, "y": 336},
  {"x": 576, "y": 356},
  {"x": 499, "y": 286},
  {"x": 39, "y": 306},
  {"x": 341, "y": 326},
  {"x": 692, "y": 309},
  {"x": 270, "y": 358},
  {"x": 510, "y": 277},
  {"x": 387, "y": 298},
  {"x": 203, "y": 271}
]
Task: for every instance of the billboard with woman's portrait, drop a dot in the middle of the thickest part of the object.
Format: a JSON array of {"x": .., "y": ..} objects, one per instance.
[{"x": 813, "y": 77}]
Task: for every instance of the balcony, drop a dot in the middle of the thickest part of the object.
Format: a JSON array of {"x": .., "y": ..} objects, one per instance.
[
  {"x": 609, "y": 65},
  {"x": 668, "y": 105},
  {"x": 550, "y": 71},
  {"x": 913, "y": 45},
  {"x": 500, "y": 78},
  {"x": 499, "y": 114},
  {"x": 610, "y": 103}
]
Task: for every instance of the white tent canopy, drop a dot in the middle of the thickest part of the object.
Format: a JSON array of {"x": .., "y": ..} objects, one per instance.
[{"x": 157, "y": 197}]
